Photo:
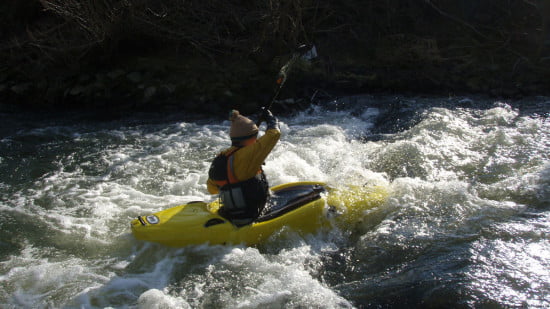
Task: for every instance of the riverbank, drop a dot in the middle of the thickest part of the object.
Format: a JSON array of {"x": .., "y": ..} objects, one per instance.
[
  {"x": 203, "y": 58},
  {"x": 168, "y": 87}
]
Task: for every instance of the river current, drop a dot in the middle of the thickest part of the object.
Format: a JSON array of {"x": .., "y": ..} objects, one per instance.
[{"x": 466, "y": 224}]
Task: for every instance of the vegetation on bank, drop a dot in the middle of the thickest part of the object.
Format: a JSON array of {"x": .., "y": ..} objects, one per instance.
[{"x": 212, "y": 55}]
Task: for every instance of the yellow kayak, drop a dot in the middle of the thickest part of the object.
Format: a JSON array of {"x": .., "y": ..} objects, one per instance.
[{"x": 304, "y": 207}]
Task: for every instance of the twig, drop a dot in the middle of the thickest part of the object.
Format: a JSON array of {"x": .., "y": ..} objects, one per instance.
[{"x": 456, "y": 19}]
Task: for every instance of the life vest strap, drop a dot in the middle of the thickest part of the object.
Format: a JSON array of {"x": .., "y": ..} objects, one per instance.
[{"x": 231, "y": 178}]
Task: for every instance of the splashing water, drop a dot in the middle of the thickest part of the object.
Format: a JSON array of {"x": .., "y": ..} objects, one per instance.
[{"x": 465, "y": 223}]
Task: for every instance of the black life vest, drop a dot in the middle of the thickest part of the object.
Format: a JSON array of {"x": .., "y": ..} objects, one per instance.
[{"x": 242, "y": 201}]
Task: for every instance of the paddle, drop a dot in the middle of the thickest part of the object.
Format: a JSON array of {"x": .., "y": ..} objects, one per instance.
[{"x": 306, "y": 52}]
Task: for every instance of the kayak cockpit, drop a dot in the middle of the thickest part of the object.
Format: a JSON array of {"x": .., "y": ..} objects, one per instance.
[{"x": 287, "y": 199}]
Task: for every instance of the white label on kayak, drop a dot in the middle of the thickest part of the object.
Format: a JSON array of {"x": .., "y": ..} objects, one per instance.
[{"x": 152, "y": 219}]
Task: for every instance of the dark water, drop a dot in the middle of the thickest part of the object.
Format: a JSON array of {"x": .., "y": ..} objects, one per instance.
[{"x": 466, "y": 224}]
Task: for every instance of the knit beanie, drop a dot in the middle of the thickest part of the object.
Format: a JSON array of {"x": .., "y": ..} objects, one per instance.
[{"x": 241, "y": 127}]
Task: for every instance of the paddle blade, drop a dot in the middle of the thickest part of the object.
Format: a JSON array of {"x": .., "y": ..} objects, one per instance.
[{"x": 310, "y": 53}]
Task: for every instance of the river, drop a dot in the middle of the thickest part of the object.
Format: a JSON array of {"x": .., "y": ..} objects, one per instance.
[{"x": 467, "y": 222}]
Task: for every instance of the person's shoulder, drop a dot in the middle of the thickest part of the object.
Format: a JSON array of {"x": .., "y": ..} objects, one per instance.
[{"x": 228, "y": 151}]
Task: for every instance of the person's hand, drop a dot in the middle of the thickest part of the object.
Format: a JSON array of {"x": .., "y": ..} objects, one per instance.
[
  {"x": 265, "y": 114},
  {"x": 270, "y": 120}
]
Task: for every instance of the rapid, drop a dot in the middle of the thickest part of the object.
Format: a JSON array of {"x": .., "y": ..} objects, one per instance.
[{"x": 467, "y": 222}]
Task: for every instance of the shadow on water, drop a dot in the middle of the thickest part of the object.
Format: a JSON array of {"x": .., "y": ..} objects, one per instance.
[
  {"x": 396, "y": 112},
  {"x": 13, "y": 122}
]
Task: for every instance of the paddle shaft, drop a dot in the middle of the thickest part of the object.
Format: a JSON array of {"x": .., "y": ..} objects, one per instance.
[{"x": 283, "y": 73}]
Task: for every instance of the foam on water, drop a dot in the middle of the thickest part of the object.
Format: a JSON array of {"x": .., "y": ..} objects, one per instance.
[
  {"x": 259, "y": 280},
  {"x": 455, "y": 175},
  {"x": 470, "y": 191}
]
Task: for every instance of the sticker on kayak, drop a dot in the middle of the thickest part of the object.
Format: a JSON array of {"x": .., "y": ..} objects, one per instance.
[{"x": 152, "y": 219}]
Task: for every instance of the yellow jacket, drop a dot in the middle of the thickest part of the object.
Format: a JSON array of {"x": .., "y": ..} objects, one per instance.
[{"x": 248, "y": 160}]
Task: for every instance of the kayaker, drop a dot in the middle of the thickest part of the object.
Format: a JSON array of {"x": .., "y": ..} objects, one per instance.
[{"x": 236, "y": 173}]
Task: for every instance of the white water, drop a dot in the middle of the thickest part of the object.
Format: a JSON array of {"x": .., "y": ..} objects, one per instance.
[{"x": 466, "y": 223}]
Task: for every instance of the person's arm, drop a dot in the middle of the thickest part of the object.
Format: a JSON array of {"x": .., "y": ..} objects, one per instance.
[{"x": 249, "y": 159}]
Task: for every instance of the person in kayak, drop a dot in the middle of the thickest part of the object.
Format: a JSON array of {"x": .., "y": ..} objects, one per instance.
[{"x": 236, "y": 173}]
